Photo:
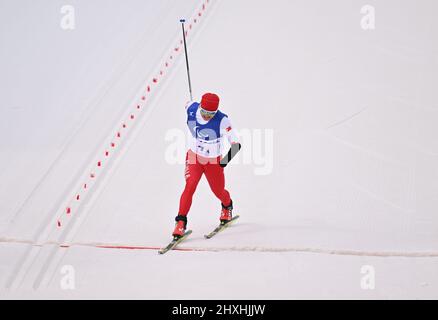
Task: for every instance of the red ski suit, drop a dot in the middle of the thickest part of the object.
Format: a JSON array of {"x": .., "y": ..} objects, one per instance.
[{"x": 197, "y": 165}]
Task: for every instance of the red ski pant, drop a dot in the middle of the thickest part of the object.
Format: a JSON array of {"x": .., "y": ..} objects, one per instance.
[{"x": 195, "y": 167}]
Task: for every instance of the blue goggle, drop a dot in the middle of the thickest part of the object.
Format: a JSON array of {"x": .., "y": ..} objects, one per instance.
[{"x": 207, "y": 114}]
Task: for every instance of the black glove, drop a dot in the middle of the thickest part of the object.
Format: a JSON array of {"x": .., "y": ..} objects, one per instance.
[{"x": 235, "y": 147}]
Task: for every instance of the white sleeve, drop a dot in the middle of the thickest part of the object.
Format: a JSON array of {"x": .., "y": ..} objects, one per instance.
[
  {"x": 228, "y": 131},
  {"x": 188, "y": 104}
]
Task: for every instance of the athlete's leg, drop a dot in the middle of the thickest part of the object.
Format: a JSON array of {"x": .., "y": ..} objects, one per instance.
[
  {"x": 193, "y": 173},
  {"x": 216, "y": 179}
]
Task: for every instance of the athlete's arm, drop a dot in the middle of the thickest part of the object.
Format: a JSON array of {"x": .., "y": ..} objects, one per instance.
[
  {"x": 188, "y": 104},
  {"x": 228, "y": 130},
  {"x": 235, "y": 148}
]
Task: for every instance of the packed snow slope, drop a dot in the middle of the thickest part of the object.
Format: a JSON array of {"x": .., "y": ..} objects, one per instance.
[{"x": 338, "y": 167}]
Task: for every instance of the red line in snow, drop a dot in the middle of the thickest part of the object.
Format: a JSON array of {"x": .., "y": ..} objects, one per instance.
[
  {"x": 140, "y": 248},
  {"x": 121, "y": 247},
  {"x": 125, "y": 247}
]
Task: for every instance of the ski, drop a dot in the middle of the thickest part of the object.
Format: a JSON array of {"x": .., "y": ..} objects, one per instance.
[
  {"x": 220, "y": 228},
  {"x": 175, "y": 242}
]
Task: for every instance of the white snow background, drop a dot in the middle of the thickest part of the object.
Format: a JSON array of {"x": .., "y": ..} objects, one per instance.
[{"x": 353, "y": 115}]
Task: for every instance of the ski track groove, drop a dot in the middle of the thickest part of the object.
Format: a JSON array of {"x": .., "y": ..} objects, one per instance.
[{"x": 30, "y": 257}]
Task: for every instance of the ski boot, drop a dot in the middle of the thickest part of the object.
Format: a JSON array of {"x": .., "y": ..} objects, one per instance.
[
  {"x": 226, "y": 213},
  {"x": 180, "y": 226}
]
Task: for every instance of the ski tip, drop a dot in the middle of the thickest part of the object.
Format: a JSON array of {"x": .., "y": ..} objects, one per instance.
[{"x": 174, "y": 242}]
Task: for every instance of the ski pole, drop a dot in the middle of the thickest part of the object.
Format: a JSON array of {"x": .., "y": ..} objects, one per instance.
[{"x": 187, "y": 58}]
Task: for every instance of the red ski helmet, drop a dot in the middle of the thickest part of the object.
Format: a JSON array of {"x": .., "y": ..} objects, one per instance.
[{"x": 210, "y": 102}]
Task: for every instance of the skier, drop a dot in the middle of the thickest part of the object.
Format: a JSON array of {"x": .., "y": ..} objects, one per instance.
[{"x": 208, "y": 127}]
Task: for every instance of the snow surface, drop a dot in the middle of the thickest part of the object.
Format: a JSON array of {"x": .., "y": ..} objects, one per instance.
[{"x": 354, "y": 174}]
